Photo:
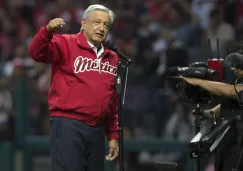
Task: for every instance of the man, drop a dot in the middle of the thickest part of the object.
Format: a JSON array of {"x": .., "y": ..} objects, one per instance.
[
  {"x": 227, "y": 159},
  {"x": 218, "y": 88},
  {"x": 82, "y": 97}
]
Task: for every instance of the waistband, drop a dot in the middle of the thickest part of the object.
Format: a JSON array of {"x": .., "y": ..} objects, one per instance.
[{"x": 88, "y": 119}]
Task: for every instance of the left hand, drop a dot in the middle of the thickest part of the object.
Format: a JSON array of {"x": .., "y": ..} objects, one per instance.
[
  {"x": 192, "y": 81},
  {"x": 113, "y": 150}
]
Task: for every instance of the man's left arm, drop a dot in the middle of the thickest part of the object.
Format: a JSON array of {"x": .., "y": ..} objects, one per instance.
[
  {"x": 112, "y": 128},
  {"x": 216, "y": 88}
]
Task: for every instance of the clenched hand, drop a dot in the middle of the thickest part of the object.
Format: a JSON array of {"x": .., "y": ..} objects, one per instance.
[
  {"x": 55, "y": 24},
  {"x": 113, "y": 150}
]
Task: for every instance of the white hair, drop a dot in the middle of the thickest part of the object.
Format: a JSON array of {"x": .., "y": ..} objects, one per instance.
[{"x": 97, "y": 7}]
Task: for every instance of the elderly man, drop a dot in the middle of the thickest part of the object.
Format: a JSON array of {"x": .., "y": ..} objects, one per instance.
[{"x": 82, "y": 98}]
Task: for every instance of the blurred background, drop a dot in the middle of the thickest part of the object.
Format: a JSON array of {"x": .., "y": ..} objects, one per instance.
[{"x": 156, "y": 34}]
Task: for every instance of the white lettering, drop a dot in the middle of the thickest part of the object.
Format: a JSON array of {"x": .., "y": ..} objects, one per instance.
[{"x": 82, "y": 64}]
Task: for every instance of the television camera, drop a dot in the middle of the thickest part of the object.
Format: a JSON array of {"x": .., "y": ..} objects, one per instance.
[
  {"x": 207, "y": 140},
  {"x": 188, "y": 93}
]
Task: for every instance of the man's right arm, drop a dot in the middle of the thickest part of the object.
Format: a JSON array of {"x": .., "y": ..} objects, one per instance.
[{"x": 47, "y": 48}]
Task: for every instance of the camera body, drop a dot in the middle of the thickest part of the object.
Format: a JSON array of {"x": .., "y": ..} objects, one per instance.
[{"x": 212, "y": 70}]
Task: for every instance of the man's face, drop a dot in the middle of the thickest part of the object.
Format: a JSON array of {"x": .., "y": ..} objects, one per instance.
[
  {"x": 238, "y": 72},
  {"x": 96, "y": 27}
]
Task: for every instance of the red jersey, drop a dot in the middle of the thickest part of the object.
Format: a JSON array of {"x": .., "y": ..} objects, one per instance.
[{"x": 82, "y": 86}]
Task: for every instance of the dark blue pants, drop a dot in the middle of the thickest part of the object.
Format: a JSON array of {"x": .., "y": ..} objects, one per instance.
[{"x": 76, "y": 146}]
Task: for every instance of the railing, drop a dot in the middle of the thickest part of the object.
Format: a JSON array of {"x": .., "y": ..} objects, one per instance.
[
  {"x": 21, "y": 158},
  {"x": 18, "y": 155}
]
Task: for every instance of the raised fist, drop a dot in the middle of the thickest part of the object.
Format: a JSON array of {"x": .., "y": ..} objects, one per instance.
[{"x": 55, "y": 24}]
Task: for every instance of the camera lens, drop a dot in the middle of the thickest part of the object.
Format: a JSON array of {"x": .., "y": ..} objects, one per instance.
[{"x": 175, "y": 86}]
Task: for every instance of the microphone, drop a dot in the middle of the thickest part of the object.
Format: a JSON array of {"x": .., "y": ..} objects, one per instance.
[
  {"x": 199, "y": 72},
  {"x": 112, "y": 47},
  {"x": 234, "y": 60},
  {"x": 196, "y": 72},
  {"x": 198, "y": 64}
]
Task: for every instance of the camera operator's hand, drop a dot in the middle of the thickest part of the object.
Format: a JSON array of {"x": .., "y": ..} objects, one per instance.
[{"x": 192, "y": 81}]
